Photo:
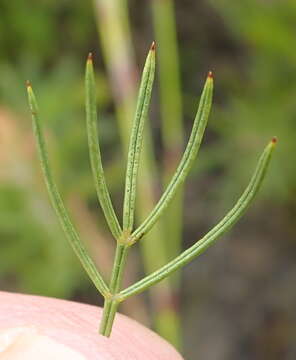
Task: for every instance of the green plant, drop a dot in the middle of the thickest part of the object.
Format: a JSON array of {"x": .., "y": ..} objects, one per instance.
[
  {"x": 114, "y": 25},
  {"x": 126, "y": 235}
]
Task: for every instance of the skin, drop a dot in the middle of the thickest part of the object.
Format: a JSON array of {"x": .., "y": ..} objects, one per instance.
[{"x": 33, "y": 327}]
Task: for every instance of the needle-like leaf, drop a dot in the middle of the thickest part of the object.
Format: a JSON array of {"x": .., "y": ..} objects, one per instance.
[
  {"x": 209, "y": 239},
  {"x": 94, "y": 150},
  {"x": 136, "y": 140},
  {"x": 186, "y": 162},
  {"x": 57, "y": 202}
]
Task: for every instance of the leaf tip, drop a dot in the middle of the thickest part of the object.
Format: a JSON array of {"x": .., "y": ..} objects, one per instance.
[
  {"x": 210, "y": 75},
  {"x": 90, "y": 57},
  {"x": 28, "y": 85},
  {"x": 274, "y": 140},
  {"x": 153, "y": 46}
]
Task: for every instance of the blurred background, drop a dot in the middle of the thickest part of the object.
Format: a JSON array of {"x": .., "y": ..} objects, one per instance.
[{"x": 236, "y": 301}]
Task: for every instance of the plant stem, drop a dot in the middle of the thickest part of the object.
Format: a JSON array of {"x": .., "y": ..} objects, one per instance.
[
  {"x": 111, "y": 304},
  {"x": 117, "y": 49},
  {"x": 95, "y": 152},
  {"x": 172, "y": 132},
  {"x": 186, "y": 162},
  {"x": 57, "y": 201},
  {"x": 135, "y": 146},
  {"x": 209, "y": 239}
]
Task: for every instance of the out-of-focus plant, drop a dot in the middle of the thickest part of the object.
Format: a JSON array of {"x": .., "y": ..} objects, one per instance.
[
  {"x": 38, "y": 47},
  {"x": 264, "y": 63},
  {"x": 165, "y": 299},
  {"x": 126, "y": 234}
]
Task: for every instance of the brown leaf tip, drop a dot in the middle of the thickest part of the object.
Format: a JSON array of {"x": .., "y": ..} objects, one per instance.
[
  {"x": 28, "y": 84},
  {"x": 90, "y": 57},
  {"x": 274, "y": 140},
  {"x": 153, "y": 46},
  {"x": 210, "y": 75}
]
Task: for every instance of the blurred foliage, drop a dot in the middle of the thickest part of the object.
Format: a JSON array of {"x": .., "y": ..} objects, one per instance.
[
  {"x": 39, "y": 42},
  {"x": 258, "y": 93}
]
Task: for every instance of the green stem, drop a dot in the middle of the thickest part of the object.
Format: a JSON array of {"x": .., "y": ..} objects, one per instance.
[
  {"x": 209, "y": 239},
  {"x": 172, "y": 131},
  {"x": 135, "y": 146},
  {"x": 186, "y": 162},
  {"x": 57, "y": 201},
  {"x": 95, "y": 152},
  {"x": 111, "y": 304}
]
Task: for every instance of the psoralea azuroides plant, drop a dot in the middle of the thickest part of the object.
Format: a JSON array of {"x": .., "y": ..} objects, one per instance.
[{"x": 126, "y": 234}]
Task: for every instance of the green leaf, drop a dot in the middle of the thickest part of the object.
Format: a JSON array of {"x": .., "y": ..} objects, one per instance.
[
  {"x": 94, "y": 150},
  {"x": 186, "y": 162},
  {"x": 57, "y": 202},
  {"x": 136, "y": 140},
  {"x": 209, "y": 239}
]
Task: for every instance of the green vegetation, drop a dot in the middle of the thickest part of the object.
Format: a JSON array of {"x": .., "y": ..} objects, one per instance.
[
  {"x": 126, "y": 235},
  {"x": 248, "y": 45}
]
